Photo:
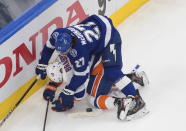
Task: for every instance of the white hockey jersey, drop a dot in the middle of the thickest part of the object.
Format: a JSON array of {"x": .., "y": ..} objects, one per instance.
[{"x": 67, "y": 68}]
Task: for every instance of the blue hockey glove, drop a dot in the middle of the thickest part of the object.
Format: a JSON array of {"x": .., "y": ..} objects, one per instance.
[
  {"x": 49, "y": 92},
  {"x": 64, "y": 102},
  {"x": 41, "y": 70},
  {"x": 48, "y": 95}
]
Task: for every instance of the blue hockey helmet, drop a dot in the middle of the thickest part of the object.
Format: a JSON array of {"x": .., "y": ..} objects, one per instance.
[{"x": 63, "y": 42}]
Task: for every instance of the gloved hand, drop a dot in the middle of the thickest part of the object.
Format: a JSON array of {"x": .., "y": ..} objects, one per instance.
[
  {"x": 64, "y": 102},
  {"x": 49, "y": 92},
  {"x": 41, "y": 70}
]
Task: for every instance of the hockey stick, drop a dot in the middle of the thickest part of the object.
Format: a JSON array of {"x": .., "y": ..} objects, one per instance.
[
  {"x": 46, "y": 113},
  {"x": 16, "y": 105}
]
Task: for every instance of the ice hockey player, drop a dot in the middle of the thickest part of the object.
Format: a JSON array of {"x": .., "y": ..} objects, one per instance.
[
  {"x": 93, "y": 37},
  {"x": 60, "y": 73}
]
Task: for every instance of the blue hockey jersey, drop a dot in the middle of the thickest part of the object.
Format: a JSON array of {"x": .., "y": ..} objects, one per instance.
[{"x": 93, "y": 35}]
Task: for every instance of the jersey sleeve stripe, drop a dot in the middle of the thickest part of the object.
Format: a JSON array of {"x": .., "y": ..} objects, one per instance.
[
  {"x": 82, "y": 73},
  {"x": 108, "y": 29}
]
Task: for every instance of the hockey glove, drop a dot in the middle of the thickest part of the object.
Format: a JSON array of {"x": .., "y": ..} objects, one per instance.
[
  {"x": 49, "y": 92},
  {"x": 41, "y": 70},
  {"x": 64, "y": 102}
]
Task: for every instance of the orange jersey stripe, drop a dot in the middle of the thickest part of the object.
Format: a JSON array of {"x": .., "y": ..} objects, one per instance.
[
  {"x": 98, "y": 71},
  {"x": 101, "y": 101}
]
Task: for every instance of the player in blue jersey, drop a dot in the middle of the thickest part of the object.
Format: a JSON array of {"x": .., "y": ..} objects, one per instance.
[{"x": 93, "y": 42}]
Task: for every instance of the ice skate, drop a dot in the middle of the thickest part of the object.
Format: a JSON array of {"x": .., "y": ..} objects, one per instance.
[
  {"x": 123, "y": 105},
  {"x": 139, "y": 78},
  {"x": 137, "y": 108},
  {"x": 141, "y": 113},
  {"x": 137, "y": 104}
]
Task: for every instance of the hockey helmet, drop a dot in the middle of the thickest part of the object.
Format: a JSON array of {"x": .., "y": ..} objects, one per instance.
[
  {"x": 63, "y": 42},
  {"x": 55, "y": 72}
]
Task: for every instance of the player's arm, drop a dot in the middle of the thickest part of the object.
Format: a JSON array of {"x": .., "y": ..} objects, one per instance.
[
  {"x": 48, "y": 49},
  {"x": 46, "y": 54},
  {"x": 81, "y": 71},
  {"x": 77, "y": 81}
]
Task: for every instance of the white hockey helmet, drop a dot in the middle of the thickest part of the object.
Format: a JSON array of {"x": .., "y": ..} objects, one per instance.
[{"x": 55, "y": 72}]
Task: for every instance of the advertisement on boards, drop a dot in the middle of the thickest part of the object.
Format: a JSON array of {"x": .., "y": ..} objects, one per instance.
[{"x": 20, "y": 53}]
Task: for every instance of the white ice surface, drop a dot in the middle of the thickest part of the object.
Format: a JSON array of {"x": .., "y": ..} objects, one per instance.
[{"x": 154, "y": 37}]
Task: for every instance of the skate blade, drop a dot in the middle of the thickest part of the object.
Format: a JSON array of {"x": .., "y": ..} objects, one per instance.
[{"x": 141, "y": 113}]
